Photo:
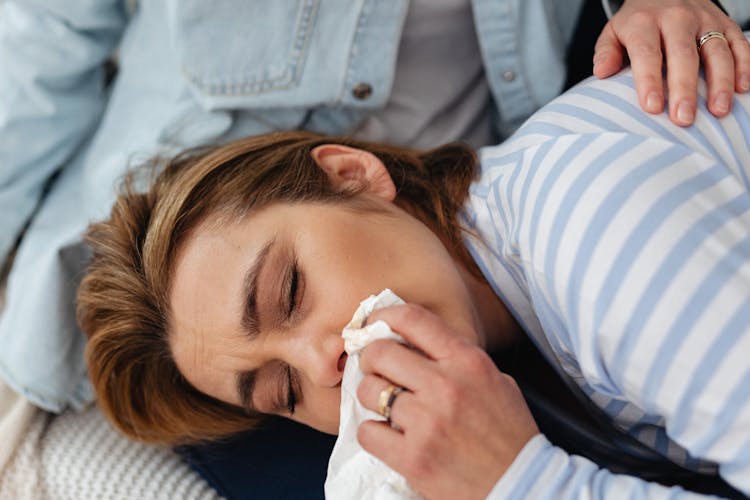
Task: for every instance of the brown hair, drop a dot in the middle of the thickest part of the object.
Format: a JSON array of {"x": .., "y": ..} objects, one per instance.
[{"x": 123, "y": 299}]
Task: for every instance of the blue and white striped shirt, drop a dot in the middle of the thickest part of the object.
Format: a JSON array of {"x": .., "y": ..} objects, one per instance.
[{"x": 622, "y": 244}]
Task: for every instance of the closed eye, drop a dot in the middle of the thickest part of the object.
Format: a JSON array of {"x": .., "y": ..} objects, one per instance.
[
  {"x": 291, "y": 399},
  {"x": 287, "y": 392},
  {"x": 293, "y": 296},
  {"x": 292, "y": 289}
]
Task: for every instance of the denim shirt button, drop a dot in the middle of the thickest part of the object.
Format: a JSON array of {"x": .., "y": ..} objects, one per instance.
[
  {"x": 509, "y": 75},
  {"x": 362, "y": 91}
]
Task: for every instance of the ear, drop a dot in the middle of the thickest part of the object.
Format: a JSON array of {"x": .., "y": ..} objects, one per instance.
[{"x": 351, "y": 168}]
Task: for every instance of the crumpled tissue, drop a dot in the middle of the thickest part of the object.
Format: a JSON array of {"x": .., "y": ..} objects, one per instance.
[{"x": 353, "y": 473}]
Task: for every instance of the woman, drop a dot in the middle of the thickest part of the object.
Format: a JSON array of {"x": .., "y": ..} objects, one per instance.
[
  {"x": 416, "y": 73},
  {"x": 618, "y": 242}
]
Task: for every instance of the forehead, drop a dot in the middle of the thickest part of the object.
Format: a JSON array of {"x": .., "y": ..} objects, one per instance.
[{"x": 206, "y": 297}]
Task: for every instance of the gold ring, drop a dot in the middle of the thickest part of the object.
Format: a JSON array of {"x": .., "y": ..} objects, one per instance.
[
  {"x": 389, "y": 405},
  {"x": 708, "y": 35},
  {"x": 384, "y": 399}
]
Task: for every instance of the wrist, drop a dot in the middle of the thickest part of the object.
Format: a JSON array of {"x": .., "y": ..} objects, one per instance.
[{"x": 514, "y": 476}]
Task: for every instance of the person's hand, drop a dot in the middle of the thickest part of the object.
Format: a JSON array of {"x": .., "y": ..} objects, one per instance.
[
  {"x": 650, "y": 31},
  {"x": 459, "y": 424}
]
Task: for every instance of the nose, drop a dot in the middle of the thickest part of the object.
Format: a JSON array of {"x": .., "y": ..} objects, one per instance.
[{"x": 323, "y": 358}]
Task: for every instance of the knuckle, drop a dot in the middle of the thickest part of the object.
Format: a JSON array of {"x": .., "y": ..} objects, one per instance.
[
  {"x": 641, "y": 18},
  {"x": 364, "y": 390},
  {"x": 742, "y": 68},
  {"x": 374, "y": 351},
  {"x": 606, "y": 39},
  {"x": 684, "y": 50},
  {"x": 740, "y": 49},
  {"x": 419, "y": 465},
  {"x": 721, "y": 82},
  {"x": 682, "y": 86},
  {"x": 644, "y": 49},
  {"x": 510, "y": 382},
  {"x": 716, "y": 47},
  {"x": 481, "y": 359},
  {"x": 452, "y": 397},
  {"x": 605, "y": 43},
  {"x": 477, "y": 363},
  {"x": 413, "y": 313},
  {"x": 680, "y": 15},
  {"x": 486, "y": 365},
  {"x": 648, "y": 81},
  {"x": 432, "y": 429},
  {"x": 602, "y": 49},
  {"x": 733, "y": 31},
  {"x": 364, "y": 436},
  {"x": 742, "y": 58}
]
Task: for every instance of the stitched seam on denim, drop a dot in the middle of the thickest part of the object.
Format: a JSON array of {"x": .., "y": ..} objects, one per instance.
[
  {"x": 290, "y": 76},
  {"x": 353, "y": 53}
]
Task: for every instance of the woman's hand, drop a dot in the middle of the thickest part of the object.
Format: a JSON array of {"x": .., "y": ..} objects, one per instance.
[
  {"x": 461, "y": 422},
  {"x": 651, "y": 31}
]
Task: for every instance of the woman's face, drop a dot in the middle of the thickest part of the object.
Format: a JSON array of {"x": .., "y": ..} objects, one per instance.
[{"x": 258, "y": 305}]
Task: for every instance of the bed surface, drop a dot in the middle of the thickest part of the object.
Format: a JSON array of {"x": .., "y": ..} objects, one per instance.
[{"x": 78, "y": 456}]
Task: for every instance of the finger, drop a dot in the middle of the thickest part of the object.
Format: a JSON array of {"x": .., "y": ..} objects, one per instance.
[
  {"x": 719, "y": 63},
  {"x": 369, "y": 394},
  {"x": 386, "y": 443},
  {"x": 741, "y": 51},
  {"x": 422, "y": 329},
  {"x": 609, "y": 54},
  {"x": 643, "y": 44},
  {"x": 396, "y": 362},
  {"x": 682, "y": 69}
]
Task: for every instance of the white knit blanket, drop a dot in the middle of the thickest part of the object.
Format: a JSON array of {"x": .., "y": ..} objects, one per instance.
[{"x": 79, "y": 456}]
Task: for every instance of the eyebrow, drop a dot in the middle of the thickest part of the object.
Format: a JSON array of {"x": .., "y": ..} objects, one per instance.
[
  {"x": 250, "y": 319},
  {"x": 245, "y": 383}
]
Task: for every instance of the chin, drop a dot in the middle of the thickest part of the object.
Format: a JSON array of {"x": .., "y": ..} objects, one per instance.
[
  {"x": 325, "y": 423},
  {"x": 329, "y": 428}
]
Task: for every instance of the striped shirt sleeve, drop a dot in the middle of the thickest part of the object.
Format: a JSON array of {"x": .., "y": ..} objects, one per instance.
[
  {"x": 544, "y": 471},
  {"x": 631, "y": 239}
]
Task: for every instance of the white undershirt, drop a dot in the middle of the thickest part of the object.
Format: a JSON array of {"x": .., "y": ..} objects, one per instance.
[{"x": 439, "y": 91}]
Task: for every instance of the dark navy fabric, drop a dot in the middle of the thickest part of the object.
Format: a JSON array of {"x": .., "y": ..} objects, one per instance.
[{"x": 283, "y": 460}]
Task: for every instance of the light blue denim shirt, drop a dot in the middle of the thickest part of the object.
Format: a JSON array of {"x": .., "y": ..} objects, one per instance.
[{"x": 192, "y": 72}]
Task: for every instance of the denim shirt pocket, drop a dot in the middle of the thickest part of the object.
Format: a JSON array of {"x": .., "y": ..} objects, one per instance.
[
  {"x": 236, "y": 54},
  {"x": 239, "y": 51},
  {"x": 240, "y": 54}
]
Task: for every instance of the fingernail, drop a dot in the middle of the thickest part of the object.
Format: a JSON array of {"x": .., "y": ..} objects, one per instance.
[
  {"x": 685, "y": 113},
  {"x": 653, "y": 102},
  {"x": 744, "y": 84},
  {"x": 722, "y": 102}
]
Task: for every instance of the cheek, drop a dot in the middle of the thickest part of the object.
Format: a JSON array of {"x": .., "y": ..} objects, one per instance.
[{"x": 321, "y": 410}]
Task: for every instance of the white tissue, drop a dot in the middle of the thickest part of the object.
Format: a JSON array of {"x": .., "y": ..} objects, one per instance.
[{"x": 354, "y": 474}]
